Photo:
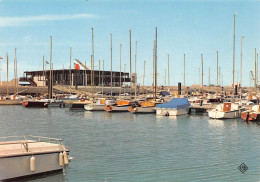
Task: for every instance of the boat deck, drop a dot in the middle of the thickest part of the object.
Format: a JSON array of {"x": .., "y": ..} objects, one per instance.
[{"x": 28, "y": 147}]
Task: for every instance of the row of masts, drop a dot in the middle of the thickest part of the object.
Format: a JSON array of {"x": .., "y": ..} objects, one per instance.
[{"x": 155, "y": 74}]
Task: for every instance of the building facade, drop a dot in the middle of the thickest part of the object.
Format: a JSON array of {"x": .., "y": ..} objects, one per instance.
[{"x": 78, "y": 77}]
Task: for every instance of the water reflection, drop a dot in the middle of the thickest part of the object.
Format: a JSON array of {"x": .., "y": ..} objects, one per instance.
[{"x": 216, "y": 122}]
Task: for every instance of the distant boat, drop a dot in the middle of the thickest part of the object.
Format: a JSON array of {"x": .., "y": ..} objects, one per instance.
[
  {"x": 144, "y": 107},
  {"x": 79, "y": 105},
  {"x": 226, "y": 110},
  {"x": 98, "y": 105},
  {"x": 43, "y": 103},
  {"x": 119, "y": 106},
  {"x": 175, "y": 107},
  {"x": 30, "y": 156},
  {"x": 252, "y": 114}
]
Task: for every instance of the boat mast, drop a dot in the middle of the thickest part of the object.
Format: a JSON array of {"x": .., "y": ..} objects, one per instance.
[
  {"x": 255, "y": 70},
  {"x": 155, "y": 61},
  {"x": 202, "y": 74},
  {"x": 93, "y": 63},
  {"x": 124, "y": 78},
  {"x": 15, "y": 72},
  {"x": 120, "y": 70},
  {"x": 184, "y": 70},
  {"x": 241, "y": 64},
  {"x": 169, "y": 71},
  {"x": 50, "y": 82},
  {"x": 43, "y": 73},
  {"x": 70, "y": 70},
  {"x": 52, "y": 79},
  {"x": 103, "y": 80},
  {"x": 130, "y": 67},
  {"x": 135, "y": 66},
  {"x": 217, "y": 76},
  {"x": 99, "y": 75},
  {"x": 234, "y": 51},
  {"x": 153, "y": 68},
  {"x": 111, "y": 65},
  {"x": 144, "y": 76},
  {"x": 7, "y": 89},
  {"x": 86, "y": 76}
]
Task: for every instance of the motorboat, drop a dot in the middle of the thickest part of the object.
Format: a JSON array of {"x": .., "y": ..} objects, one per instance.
[
  {"x": 25, "y": 156},
  {"x": 226, "y": 110},
  {"x": 175, "y": 107}
]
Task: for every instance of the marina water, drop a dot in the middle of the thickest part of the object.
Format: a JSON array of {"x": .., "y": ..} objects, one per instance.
[{"x": 127, "y": 147}]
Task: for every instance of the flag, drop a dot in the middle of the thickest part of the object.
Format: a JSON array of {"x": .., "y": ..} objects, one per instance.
[
  {"x": 1, "y": 58},
  {"x": 243, "y": 36},
  {"x": 47, "y": 62}
]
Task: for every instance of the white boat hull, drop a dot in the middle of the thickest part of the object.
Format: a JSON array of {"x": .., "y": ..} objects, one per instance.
[
  {"x": 120, "y": 108},
  {"x": 171, "y": 112},
  {"x": 224, "y": 115},
  {"x": 19, "y": 166},
  {"x": 144, "y": 110},
  {"x": 92, "y": 107}
]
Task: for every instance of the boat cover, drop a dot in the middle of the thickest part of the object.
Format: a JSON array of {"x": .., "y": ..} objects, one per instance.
[
  {"x": 175, "y": 103},
  {"x": 164, "y": 93}
]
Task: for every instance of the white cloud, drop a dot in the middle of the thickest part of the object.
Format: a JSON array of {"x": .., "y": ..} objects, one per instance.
[{"x": 20, "y": 21}]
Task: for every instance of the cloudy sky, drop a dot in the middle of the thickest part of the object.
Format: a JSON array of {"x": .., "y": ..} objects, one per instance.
[{"x": 184, "y": 27}]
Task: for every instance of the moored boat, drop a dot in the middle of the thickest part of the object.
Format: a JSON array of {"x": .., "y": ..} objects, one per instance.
[
  {"x": 30, "y": 156},
  {"x": 119, "y": 106},
  {"x": 252, "y": 114},
  {"x": 79, "y": 105},
  {"x": 175, "y": 107},
  {"x": 98, "y": 105},
  {"x": 226, "y": 110},
  {"x": 145, "y": 107}
]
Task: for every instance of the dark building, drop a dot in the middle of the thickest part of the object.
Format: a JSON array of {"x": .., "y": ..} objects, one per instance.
[{"x": 78, "y": 77}]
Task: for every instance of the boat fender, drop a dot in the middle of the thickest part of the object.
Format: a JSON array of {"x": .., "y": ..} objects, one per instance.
[
  {"x": 66, "y": 159},
  {"x": 32, "y": 163},
  {"x": 61, "y": 161}
]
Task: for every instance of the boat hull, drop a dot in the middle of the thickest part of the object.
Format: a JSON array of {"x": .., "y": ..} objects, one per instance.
[
  {"x": 116, "y": 108},
  {"x": 143, "y": 110},
  {"x": 34, "y": 104},
  {"x": 19, "y": 166},
  {"x": 90, "y": 107},
  {"x": 224, "y": 115},
  {"x": 247, "y": 116},
  {"x": 171, "y": 112}
]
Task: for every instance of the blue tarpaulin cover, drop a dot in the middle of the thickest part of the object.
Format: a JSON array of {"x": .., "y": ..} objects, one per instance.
[{"x": 175, "y": 103}]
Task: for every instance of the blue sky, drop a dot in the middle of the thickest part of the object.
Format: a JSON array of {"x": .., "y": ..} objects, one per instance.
[{"x": 190, "y": 27}]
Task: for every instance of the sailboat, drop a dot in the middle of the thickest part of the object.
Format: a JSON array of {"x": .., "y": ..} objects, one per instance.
[
  {"x": 226, "y": 110},
  {"x": 147, "y": 106},
  {"x": 119, "y": 106}
]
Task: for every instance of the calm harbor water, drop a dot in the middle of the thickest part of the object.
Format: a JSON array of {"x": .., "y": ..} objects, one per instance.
[{"x": 127, "y": 147}]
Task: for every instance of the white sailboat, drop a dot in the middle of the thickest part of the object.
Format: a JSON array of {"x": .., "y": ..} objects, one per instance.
[{"x": 226, "y": 110}]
